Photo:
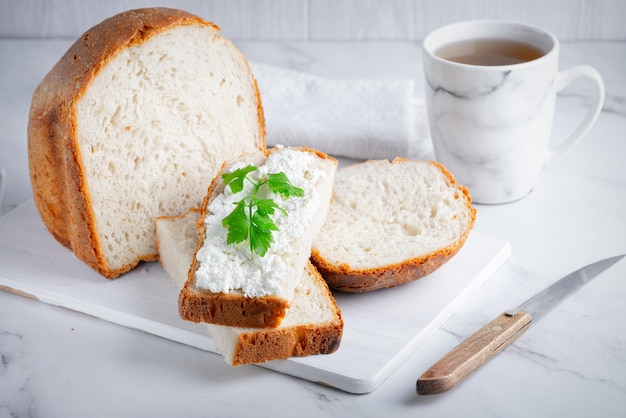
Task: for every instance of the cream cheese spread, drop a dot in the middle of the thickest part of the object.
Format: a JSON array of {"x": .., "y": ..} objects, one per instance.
[{"x": 233, "y": 267}]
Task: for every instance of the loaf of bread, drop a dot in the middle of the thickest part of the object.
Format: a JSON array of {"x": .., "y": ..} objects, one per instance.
[
  {"x": 132, "y": 123},
  {"x": 391, "y": 223},
  {"x": 230, "y": 284},
  {"x": 312, "y": 325}
]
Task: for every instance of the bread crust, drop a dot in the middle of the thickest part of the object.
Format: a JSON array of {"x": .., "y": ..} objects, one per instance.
[
  {"x": 230, "y": 309},
  {"x": 55, "y": 165},
  {"x": 346, "y": 279}
]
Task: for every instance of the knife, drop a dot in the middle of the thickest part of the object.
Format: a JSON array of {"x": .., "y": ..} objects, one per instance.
[{"x": 494, "y": 337}]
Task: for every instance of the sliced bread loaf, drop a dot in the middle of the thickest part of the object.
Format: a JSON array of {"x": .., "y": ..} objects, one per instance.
[
  {"x": 230, "y": 283},
  {"x": 132, "y": 123},
  {"x": 391, "y": 223},
  {"x": 312, "y": 325}
]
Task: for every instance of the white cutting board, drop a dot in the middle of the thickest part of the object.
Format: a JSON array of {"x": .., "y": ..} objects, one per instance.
[{"x": 382, "y": 328}]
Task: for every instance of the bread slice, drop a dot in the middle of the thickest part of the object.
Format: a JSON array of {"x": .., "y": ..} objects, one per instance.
[
  {"x": 228, "y": 284},
  {"x": 313, "y": 325},
  {"x": 132, "y": 123},
  {"x": 391, "y": 223}
]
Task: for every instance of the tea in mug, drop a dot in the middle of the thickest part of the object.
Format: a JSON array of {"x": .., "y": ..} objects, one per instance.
[{"x": 489, "y": 52}]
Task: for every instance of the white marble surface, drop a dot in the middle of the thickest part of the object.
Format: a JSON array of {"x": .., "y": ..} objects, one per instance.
[{"x": 58, "y": 363}]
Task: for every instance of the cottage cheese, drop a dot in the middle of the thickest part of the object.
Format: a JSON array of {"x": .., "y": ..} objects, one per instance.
[{"x": 233, "y": 267}]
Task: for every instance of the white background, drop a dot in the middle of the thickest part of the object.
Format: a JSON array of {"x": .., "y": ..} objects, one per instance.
[{"x": 325, "y": 20}]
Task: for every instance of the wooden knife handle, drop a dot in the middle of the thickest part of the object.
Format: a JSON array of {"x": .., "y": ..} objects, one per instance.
[{"x": 472, "y": 353}]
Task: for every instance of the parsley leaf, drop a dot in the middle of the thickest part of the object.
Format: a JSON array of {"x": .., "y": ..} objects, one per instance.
[
  {"x": 237, "y": 223},
  {"x": 279, "y": 183},
  {"x": 251, "y": 219},
  {"x": 237, "y": 177},
  {"x": 267, "y": 206},
  {"x": 261, "y": 227}
]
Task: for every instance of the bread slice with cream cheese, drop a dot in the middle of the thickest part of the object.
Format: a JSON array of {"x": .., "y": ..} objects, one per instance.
[
  {"x": 313, "y": 324},
  {"x": 391, "y": 223},
  {"x": 228, "y": 283}
]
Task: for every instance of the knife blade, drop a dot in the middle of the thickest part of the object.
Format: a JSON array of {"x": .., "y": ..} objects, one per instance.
[{"x": 494, "y": 337}]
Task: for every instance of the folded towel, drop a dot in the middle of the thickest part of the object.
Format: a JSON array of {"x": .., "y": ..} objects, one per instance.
[{"x": 361, "y": 119}]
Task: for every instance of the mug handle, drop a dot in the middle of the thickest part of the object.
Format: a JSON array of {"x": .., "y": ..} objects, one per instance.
[{"x": 564, "y": 78}]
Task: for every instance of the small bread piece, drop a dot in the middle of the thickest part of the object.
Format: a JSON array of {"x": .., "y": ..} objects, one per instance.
[
  {"x": 391, "y": 223},
  {"x": 176, "y": 241},
  {"x": 230, "y": 285},
  {"x": 313, "y": 325},
  {"x": 132, "y": 123}
]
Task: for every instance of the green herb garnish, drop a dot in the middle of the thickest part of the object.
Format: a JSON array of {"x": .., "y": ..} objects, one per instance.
[{"x": 251, "y": 217}]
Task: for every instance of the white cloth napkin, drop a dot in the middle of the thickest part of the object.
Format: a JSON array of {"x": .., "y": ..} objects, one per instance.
[{"x": 361, "y": 119}]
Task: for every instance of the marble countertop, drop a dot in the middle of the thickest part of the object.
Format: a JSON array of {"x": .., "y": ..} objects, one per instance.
[{"x": 572, "y": 363}]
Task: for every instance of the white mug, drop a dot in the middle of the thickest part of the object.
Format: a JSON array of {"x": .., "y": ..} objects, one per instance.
[{"x": 491, "y": 124}]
